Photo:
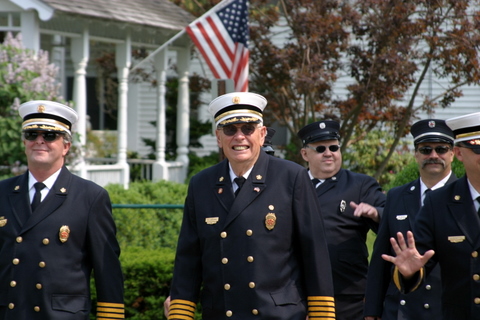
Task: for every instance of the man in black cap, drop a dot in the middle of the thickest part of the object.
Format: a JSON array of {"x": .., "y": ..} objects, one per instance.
[
  {"x": 55, "y": 229},
  {"x": 251, "y": 244},
  {"x": 433, "y": 142},
  {"x": 447, "y": 230},
  {"x": 350, "y": 204}
]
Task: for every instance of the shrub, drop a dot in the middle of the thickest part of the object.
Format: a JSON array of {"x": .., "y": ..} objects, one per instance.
[
  {"x": 147, "y": 282},
  {"x": 148, "y": 228}
]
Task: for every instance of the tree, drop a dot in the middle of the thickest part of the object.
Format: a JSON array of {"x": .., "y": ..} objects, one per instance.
[
  {"x": 386, "y": 47},
  {"x": 24, "y": 76}
]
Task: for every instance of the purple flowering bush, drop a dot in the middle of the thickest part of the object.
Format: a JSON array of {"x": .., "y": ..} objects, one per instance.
[{"x": 24, "y": 75}]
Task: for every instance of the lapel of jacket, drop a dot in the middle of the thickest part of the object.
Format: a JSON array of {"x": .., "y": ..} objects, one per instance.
[
  {"x": 463, "y": 211},
  {"x": 55, "y": 197},
  {"x": 223, "y": 186},
  {"x": 251, "y": 189},
  {"x": 20, "y": 200},
  {"x": 411, "y": 200},
  {"x": 329, "y": 183}
]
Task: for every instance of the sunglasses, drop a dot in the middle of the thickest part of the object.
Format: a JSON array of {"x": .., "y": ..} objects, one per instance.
[
  {"x": 439, "y": 150},
  {"x": 475, "y": 148},
  {"x": 321, "y": 149},
  {"x": 231, "y": 130},
  {"x": 47, "y": 136}
]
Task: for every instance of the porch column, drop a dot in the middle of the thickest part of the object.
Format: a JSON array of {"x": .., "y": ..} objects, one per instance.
[
  {"x": 183, "y": 110},
  {"x": 123, "y": 61},
  {"x": 160, "y": 167},
  {"x": 30, "y": 29},
  {"x": 80, "y": 48}
]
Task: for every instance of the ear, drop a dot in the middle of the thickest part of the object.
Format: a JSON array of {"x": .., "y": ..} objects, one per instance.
[
  {"x": 303, "y": 152},
  {"x": 66, "y": 148},
  {"x": 458, "y": 153},
  {"x": 217, "y": 134}
]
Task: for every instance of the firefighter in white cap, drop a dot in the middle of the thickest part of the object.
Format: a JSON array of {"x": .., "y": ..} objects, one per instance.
[
  {"x": 251, "y": 249},
  {"x": 55, "y": 229},
  {"x": 447, "y": 232}
]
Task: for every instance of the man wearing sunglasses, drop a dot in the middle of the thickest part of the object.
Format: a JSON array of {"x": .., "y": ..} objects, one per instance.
[
  {"x": 55, "y": 229},
  {"x": 245, "y": 248},
  {"x": 446, "y": 232},
  {"x": 433, "y": 142},
  {"x": 351, "y": 205}
]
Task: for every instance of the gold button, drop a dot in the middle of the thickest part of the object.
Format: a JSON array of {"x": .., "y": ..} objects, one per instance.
[
  {"x": 11, "y": 306},
  {"x": 251, "y": 285},
  {"x": 223, "y": 234},
  {"x": 226, "y": 286},
  {"x": 39, "y": 286},
  {"x": 16, "y": 261},
  {"x": 249, "y": 232},
  {"x": 224, "y": 260},
  {"x": 255, "y": 312},
  {"x": 474, "y": 254},
  {"x": 13, "y": 283},
  {"x": 42, "y": 264},
  {"x": 250, "y": 259},
  {"x": 36, "y": 308},
  {"x": 476, "y": 277},
  {"x": 477, "y": 300},
  {"x": 19, "y": 239},
  {"x": 229, "y": 313},
  {"x": 46, "y": 241}
]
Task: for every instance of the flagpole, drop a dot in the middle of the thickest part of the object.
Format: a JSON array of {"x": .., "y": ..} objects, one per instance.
[{"x": 178, "y": 35}]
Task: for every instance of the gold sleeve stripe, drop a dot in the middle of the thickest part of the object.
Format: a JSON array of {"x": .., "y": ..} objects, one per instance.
[
  {"x": 420, "y": 279},
  {"x": 182, "y": 310},
  {"x": 399, "y": 283},
  {"x": 321, "y": 307},
  {"x": 178, "y": 317},
  {"x": 107, "y": 316},
  {"x": 396, "y": 279},
  {"x": 320, "y": 298},
  {"x": 321, "y": 315},
  {"x": 111, "y": 305},
  {"x": 108, "y": 310}
]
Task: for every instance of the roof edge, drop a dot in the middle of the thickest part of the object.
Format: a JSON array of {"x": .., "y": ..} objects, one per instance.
[{"x": 45, "y": 12}]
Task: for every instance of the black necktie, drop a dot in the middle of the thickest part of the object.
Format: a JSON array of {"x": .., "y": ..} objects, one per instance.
[
  {"x": 38, "y": 196},
  {"x": 315, "y": 181},
  {"x": 239, "y": 181}
]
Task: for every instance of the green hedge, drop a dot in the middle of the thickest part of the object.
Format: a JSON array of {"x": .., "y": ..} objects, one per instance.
[{"x": 147, "y": 282}]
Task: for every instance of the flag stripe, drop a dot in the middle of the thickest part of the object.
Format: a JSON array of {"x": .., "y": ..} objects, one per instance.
[{"x": 222, "y": 39}]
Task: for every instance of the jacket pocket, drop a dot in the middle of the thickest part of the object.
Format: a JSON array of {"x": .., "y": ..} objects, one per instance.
[
  {"x": 69, "y": 303},
  {"x": 286, "y": 296}
]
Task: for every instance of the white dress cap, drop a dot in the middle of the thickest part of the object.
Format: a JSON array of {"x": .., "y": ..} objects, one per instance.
[
  {"x": 237, "y": 107},
  {"x": 43, "y": 115},
  {"x": 466, "y": 127}
]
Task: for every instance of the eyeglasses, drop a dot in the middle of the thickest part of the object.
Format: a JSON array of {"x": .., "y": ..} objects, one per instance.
[
  {"x": 231, "y": 130},
  {"x": 439, "y": 150},
  {"x": 47, "y": 136},
  {"x": 321, "y": 149}
]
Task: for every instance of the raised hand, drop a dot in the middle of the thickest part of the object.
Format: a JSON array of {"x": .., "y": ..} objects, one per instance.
[{"x": 408, "y": 260}]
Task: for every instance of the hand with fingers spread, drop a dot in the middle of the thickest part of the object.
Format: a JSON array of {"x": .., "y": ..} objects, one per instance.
[{"x": 408, "y": 260}]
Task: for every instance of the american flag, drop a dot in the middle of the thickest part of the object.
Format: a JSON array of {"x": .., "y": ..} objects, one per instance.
[{"x": 221, "y": 36}]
